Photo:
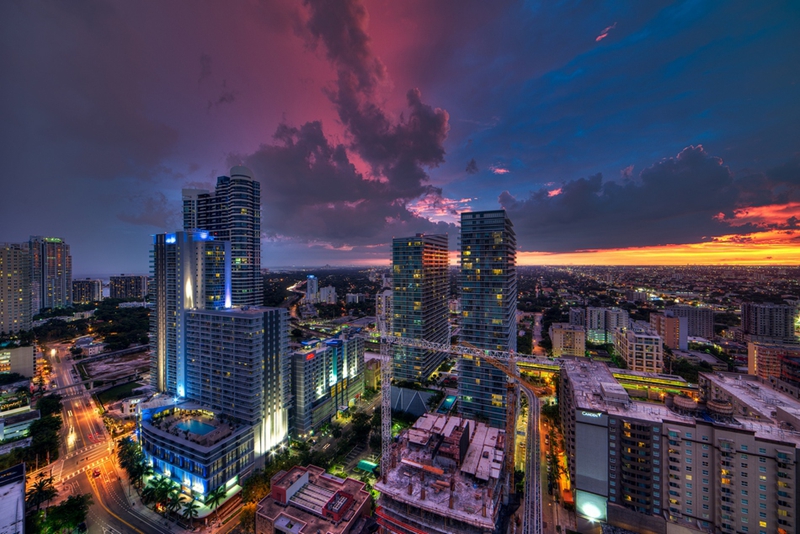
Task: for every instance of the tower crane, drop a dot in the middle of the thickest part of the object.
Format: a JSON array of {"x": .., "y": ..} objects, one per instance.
[{"x": 505, "y": 362}]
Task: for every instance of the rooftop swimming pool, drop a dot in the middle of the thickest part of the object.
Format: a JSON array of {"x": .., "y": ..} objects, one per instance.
[
  {"x": 447, "y": 404},
  {"x": 195, "y": 427}
]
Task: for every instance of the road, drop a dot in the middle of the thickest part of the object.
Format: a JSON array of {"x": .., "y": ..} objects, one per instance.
[{"x": 86, "y": 446}]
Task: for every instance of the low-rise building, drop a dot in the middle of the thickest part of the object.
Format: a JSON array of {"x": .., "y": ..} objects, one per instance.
[
  {"x": 641, "y": 347},
  {"x": 568, "y": 340},
  {"x": 307, "y": 500},
  {"x": 194, "y": 447}
]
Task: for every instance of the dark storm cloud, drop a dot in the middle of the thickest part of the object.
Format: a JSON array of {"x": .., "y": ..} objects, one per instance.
[
  {"x": 472, "y": 167},
  {"x": 312, "y": 191},
  {"x": 685, "y": 199}
]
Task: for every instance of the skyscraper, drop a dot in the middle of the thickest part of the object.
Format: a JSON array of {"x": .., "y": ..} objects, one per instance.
[
  {"x": 232, "y": 213},
  {"x": 51, "y": 273},
  {"x": 488, "y": 309},
  {"x": 191, "y": 270},
  {"x": 419, "y": 301},
  {"x": 15, "y": 291}
]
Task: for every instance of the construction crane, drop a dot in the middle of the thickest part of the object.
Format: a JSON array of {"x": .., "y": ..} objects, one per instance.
[{"x": 502, "y": 360}]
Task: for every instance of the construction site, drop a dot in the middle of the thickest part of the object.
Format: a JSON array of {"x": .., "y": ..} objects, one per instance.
[{"x": 446, "y": 474}]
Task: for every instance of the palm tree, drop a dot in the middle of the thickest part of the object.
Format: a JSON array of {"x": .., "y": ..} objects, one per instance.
[
  {"x": 215, "y": 498},
  {"x": 41, "y": 490},
  {"x": 190, "y": 511},
  {"x": 174, "y": 501}
]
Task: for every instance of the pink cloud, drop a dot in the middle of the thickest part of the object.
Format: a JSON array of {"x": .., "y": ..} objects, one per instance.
[
  {"x": 554, "y": 192},
  {"x": 499, "y": 170},
  {"x": 604, "y": 33}
]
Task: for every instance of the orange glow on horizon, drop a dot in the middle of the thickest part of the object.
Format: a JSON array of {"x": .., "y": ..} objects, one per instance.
[{"x": 774, "y": 247}]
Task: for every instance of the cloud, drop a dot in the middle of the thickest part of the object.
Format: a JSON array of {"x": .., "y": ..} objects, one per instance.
[
  {"x": 318, "y": 191},
  {"x": 472, "y": 167},
  {"x": 627, "y": 172},
  {"x": 604, "y": 33},
  {"x": 499, "y": 170},
  {"x": 688, "y": 198}
]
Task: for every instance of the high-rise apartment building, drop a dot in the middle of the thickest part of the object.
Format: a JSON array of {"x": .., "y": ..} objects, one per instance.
[
  {"x": 700, "y": 321},
  {"x": 383, "y": 310},
  {"x": 419, "y": 302},
  {"x": 673, "y": 329},
  {"x": 327, "y": 376},
  {"x": 768, "y": 322},
  {"x": 51, "y": 273},
  {"x": 223, "y": 372},
  {"x": 766, "y": 360},
  {"x": 190, "y": 270},
  {"x": 15, "y": 291},
  {"x": 568, "y": 340},
  {"x": 237, "y": 365},
  {"x": 312, "y": 289},
  {"x": 488, "y": 309},
  {"x": 640, "y": 346},
  {"x": 128, "y": 287},
  {"x": 602, "y": 323},
  {"x": 327, "y": 295},
  {"x": 232, "y": 213},
  {"x": 87, "y": 291}
]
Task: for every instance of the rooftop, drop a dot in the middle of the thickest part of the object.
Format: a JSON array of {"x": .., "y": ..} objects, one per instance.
[
  {"x": 307, "y": 500},
  {"x": 450, "y": 466},
  {"x": 191, "y": 422}
]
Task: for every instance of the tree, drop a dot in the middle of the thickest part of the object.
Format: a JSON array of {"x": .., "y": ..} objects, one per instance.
[
  {"x": 190, "y": 511},
  {"x": 215, "y": 498},
  {"x": 41, "y": 490},
  {"x": 247, "y": 519},
  {"x": 174, "y": 501},
  {"x": 69, "y": 514}
]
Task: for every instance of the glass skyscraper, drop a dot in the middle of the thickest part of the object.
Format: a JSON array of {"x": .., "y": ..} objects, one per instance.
[
  {"x": 232, "y": 213},
  {"x": 420, "y": 305},
  {"x": 488, "y": 310}
]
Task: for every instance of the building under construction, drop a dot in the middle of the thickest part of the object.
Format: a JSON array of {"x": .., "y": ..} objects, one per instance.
[{"x": 447, "y": 475}]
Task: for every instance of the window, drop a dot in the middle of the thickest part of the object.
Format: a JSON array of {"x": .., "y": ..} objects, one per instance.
[
  {"x": 688, "y": 435},
  {"x": 762, "y": 451},
  {"x": 744, "y": 448},
  {"x": 744, "y": 492}
]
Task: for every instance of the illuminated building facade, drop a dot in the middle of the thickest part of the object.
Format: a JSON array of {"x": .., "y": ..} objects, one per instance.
[
  {"x": 768, "y": 322},
  {"x": 232, "y": 213},
  {"x": 15, "y": 292},
  {"x": 327, "y": 376},
  {"x": 51, "y": 273},
  {"x": 190, "y": 270},
  {"x": 419, "y": 302},
  {"x": 488, "y": 309}
]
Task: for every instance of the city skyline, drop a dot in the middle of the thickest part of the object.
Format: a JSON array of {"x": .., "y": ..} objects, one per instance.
[{"x": 661, "y": 134}]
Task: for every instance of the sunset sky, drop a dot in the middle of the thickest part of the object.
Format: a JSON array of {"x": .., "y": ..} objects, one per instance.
[{"x": 613, "y": 132}]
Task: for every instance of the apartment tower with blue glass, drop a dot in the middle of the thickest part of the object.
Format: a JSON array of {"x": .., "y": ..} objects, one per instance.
[
  {"x": 488, "y": 291},
  {"x": 419, "y": 300}
]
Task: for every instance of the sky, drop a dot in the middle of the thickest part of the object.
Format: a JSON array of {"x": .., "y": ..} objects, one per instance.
[{"x": 612, "y": 132}]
